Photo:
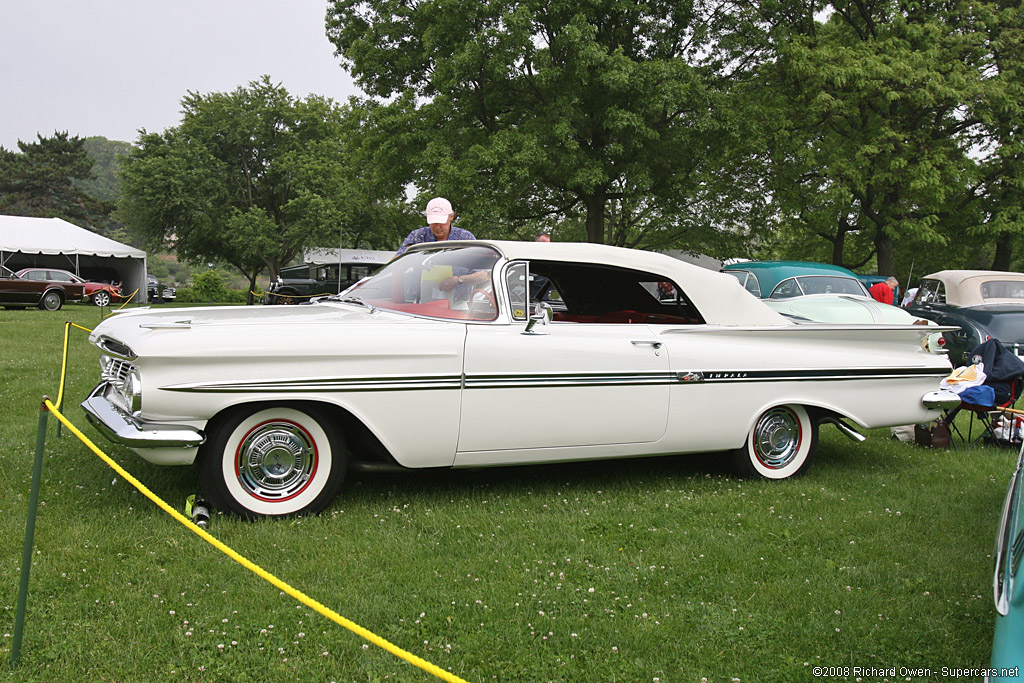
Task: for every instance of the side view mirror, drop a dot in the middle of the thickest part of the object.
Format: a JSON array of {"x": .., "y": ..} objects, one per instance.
[{"x": 542, "y": 314}]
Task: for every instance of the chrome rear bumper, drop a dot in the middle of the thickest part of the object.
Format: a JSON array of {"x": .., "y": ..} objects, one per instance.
[
  {"x": 122, "y": 428},
  {"x": 940, "y": 400}
]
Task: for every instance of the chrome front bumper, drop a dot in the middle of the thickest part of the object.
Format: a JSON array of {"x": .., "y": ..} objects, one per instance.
[{"x": 122, "y": 428}]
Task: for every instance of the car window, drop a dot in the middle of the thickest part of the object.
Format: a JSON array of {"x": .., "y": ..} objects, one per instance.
[
  {"x": 1002, "y": 289},
  {"x": 58, "y": 276},
  {"x": 454, "y": 283},
  {"x": 830, "y": 284},
  {"x": 748, "y": 280},
  {"x": 930, "y": 292},
  {"x": 591, "y": 293},
  {"x": 786, "y": 289},
  {"x": 35, "y": 275}
]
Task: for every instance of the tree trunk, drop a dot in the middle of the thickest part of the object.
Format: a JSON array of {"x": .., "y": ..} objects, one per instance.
[
  {"x": 884, "y": 250},
  {"x": 1004, "y": 252},
  {"x": 595, "y": 216},
  {"x": 250, "y": 298}
]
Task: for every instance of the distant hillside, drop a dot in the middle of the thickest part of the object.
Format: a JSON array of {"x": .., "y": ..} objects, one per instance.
[{"x": 104, "y": 154}]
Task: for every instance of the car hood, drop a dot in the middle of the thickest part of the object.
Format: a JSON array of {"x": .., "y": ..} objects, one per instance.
[{"x": 227, "y": 330}]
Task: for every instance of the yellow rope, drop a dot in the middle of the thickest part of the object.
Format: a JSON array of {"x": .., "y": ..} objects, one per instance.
[
  {"x": 259, "y": 571},
  {"x": 64, "y": 362},
  {"x": 128, "y": 299}
]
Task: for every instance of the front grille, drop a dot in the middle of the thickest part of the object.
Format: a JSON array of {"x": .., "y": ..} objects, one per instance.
[{"x": 116, "y": 372}]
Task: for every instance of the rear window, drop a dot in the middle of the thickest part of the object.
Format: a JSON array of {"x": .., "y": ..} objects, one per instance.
[{"x": 1002, "y": 289}]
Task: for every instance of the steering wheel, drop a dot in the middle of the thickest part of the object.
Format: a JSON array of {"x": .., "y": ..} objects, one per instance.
[{"x": 482, "y": 307}]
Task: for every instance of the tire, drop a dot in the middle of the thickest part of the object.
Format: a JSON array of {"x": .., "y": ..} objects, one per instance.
[
  {"x": 101, "y": 298},
  {"x": 275, "y": 461},
  {"x": 51, "y": 301},
  {"x": 779, "y": 445}
]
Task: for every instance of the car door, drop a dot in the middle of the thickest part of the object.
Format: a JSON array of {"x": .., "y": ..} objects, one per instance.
[
  {"x": 15, "y": 290},
  {"x": 561, "y": 385},
  {"x": 571, "y": 385}
]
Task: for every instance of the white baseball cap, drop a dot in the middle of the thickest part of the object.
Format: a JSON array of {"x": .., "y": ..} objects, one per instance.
[{"x": 438, "y": 210}]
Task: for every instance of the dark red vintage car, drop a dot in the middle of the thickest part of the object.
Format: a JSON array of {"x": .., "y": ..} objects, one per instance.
[
  {"x": 50, "y": 295},
  {"x": 100, "y": 293}
]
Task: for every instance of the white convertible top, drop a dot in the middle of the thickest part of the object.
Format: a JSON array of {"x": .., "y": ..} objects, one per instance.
[
  {"x": 964, "y": 287},
  {"x": 719, "y": 297}
]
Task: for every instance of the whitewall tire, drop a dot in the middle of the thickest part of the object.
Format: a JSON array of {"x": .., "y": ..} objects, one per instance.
[
  {"x": 779, "y": 444},
  {"x": 272, "y": 462}
]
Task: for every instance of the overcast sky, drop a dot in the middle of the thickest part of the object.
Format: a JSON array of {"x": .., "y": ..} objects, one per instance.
[{"x": 111, "y": 67}]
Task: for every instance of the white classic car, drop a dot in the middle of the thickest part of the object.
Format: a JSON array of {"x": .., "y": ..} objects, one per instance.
[{"x": 456, "y": 354}]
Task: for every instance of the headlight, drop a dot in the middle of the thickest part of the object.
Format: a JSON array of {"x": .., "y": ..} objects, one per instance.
[{"x": 131, "y": 392}]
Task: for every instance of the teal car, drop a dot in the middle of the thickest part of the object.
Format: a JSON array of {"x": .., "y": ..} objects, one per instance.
[{"x": 1008, "y": 642}]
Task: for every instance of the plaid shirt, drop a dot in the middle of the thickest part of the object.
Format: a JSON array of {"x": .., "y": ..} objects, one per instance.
[{"x": 426, "y": 235}]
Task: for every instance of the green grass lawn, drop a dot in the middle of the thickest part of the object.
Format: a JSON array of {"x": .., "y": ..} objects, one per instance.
[{"x": 660, "y": 569}]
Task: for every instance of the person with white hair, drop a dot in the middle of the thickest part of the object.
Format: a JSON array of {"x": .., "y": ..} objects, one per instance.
[{"x": 439, "y": 227}]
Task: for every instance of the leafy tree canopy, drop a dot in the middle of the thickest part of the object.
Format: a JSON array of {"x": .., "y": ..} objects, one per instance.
[
  {"x": 41, "y": 179},
  {"x": 590, "y": 117},
  {"x": 250, "y": 178}
]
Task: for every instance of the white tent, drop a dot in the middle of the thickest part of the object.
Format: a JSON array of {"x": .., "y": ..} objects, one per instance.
[{"x": 54, "y": 243}]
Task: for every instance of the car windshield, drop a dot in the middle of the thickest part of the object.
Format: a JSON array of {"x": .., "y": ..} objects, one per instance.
[
  {"x": 818, "y": 284},
  {"x": 454, "y": 283}
]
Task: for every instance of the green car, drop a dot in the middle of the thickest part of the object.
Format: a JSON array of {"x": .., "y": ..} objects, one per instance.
[{"x": 1008, "y": 642}]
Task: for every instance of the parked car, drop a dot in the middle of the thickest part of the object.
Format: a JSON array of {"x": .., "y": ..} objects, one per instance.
[
  {"x": 50, "y": 295},
  {"x": 1008, "y": 591},
  {"x": 298, "y": 284},
  {"x": 982, "y": 304},
  {"x": 445, "y": 358},
  {"x": 822, "y": 293},
  {"x": 156, "y": 292},
  {"x": 99, "y": 293}
]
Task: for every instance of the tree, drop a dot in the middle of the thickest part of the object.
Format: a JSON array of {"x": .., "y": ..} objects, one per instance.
[
  {"x": 877, "y": 126},
  {"x": 105, "y": 156},
  {"x": 250, "y": 178},
  {"x": 588, "y": 116},
  {"x": 41, "y": 180}
]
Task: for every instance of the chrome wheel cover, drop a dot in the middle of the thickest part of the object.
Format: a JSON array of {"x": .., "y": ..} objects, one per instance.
[
  {"x": 777, "y": 438},
  {"x": 276, "y": 460},
  {"x": 51, "y": 301},
  {"x": 101, "y": 298}
]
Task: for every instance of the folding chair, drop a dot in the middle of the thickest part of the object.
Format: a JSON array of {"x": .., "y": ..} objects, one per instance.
[{"x": 1004, "y": 376}]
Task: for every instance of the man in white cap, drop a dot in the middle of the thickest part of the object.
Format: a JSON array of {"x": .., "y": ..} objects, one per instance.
[{"x": 439, "y": 228}]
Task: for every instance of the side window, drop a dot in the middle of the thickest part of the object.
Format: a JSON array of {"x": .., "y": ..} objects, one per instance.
[
  {"x": 930, "y": 292},
  {"x": 591, "y": 293},
  {"x": 786, "y": 289},
  {"x": 515, "y": 283},
  {"x": 37, "y": 275},
  {"x": 57, "y": 276}
]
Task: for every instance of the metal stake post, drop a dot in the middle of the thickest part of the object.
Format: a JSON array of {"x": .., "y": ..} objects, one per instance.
[{"x": 30, "y": 532}]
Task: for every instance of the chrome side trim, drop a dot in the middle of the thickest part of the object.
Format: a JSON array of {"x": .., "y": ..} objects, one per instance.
[
  {"x": 1002, "y": 580},
  {"x": 121, "y": 428},
  {"x": 421, "y": 383}
]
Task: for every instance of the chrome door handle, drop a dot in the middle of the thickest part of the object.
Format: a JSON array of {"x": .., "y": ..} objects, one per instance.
[{"x": 641, "y": 342}]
